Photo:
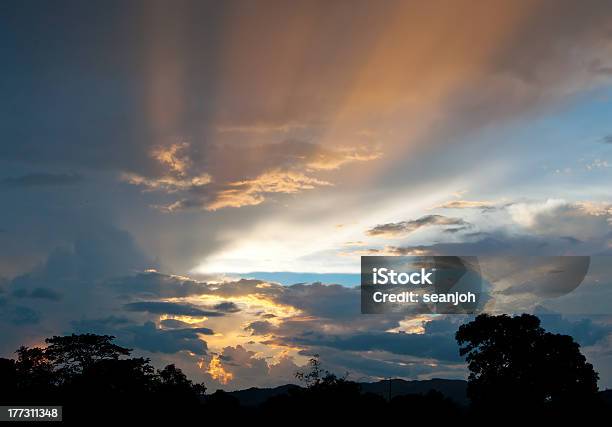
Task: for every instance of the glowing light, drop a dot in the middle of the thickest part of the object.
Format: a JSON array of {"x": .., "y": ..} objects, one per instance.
[
  {"x": 413, "y": 325},
  {"x": 216, "y": 370},
  {"x": 192, "y": 320}
]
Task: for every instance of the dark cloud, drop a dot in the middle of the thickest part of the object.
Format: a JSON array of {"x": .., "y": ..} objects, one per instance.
[
  {"x": 41, "y": 180},
  {"x": 65, "y": 285},
  {"x": 318, "y": 299},
  {"x": 40, "y": 293},
  {"x": 227, "y": 307},
  {"x": 152, "y": 283},
  {"x": 147, "y": 336},
  {"x": 546, "y": 276},
  {"x": 586, "y": 331},
  {"x": 571, "y": 239},
  {"x": 70, "y": 275},
  {"x": 435, "y": 346},
  {"x": 17, "y": 315},
  {"x": 103, "y": 325},
  {"x": 371, "y": 367},
  {"x": 551, "y": 227},
  {"x": 99, "y": 252},
  {"x": 454, "y": 230},
  {"x": 500, "y": 243},
  {"x": 405, "y": 227},
  {"x": 179, "y": 309},
  {"x": 260, "y": 327}
]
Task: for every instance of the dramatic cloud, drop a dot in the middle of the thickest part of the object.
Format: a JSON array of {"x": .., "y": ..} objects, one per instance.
[
  {"x": 585, "y": 331},
  {"x": 498, "y": 244},
  {"x": 228, "y": 307},
  {"x": 406, "y": 227},
  {"x": 158, "y": 307},
  {"x": 152, "y": 283},
  {"x": 261, "y": 126},
  {"x": 252, "y": 192},
  {"x": 242, "y": 367},
  {"x": 581, "y": 220},
  {"x": 260, "y": 327},
  {"x": 147, "y": 336},
  {"x": 418, "y": 345},
  {"x": 243, "y": 177},
  {"x": 548, "y": 227},
  {"x": 68, "y": 278}
]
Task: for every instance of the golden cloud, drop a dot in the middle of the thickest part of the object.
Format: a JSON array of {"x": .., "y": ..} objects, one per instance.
[
  {"x": 466, "y": 204},
  {"x": 217, "y": 371},
  {"x": 251, "y": 192},
  {"x": 284, "y": 168},
  {"x": 174, "y": 157},
  {"x": 166, "y": 183}
]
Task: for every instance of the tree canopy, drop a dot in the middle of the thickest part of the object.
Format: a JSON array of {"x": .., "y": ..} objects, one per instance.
[{"x": 514, "y": 360}]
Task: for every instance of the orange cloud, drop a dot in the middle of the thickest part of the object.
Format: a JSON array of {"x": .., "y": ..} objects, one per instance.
[
  {"x": 283, "y": 168},
  {"x": 217, "y": 371},
  {"x": 251, "y": 192},
  {"x": 166, "y": 183},
  {"x": 174, "y": 157}
]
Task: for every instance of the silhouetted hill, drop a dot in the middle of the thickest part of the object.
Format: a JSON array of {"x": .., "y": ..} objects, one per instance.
[
  {"x": 256, "y": 396},
  {"x": 453, "y": 389}
]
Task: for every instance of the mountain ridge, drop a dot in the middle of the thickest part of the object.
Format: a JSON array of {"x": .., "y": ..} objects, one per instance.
[{"x": 452, "y": 389}]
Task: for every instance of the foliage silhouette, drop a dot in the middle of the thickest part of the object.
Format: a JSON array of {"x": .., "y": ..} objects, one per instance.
[
  {"x": 74, "y": 354},
  {"x": 89, "y": 374},
  {"x": 514, "y": 361},
  {"x": 513, "y": 364}
]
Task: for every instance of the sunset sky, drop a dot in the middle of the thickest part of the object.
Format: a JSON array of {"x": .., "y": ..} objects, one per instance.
[{"x": 200, "y": 179}]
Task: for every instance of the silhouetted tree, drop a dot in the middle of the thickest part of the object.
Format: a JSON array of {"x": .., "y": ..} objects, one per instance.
[
  {"x": 324, "y": 392},
  {"x": 510, "y": 359},
  {"x": 313, "y": 375},
  {"x": 513, "y": 360},
  {"x": 173, "y": 385},
  {"x": 34, "y": 370},
  {"x": 73, "y": 354},
  {"x": 8, "y": 379},
  {"x": 316, "y": 378},
  {"x": 116, "y": 377},
  {"x": 85, "y": 372}
]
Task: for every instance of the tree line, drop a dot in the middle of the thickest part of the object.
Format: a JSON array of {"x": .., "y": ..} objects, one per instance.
[{"x": 515, "y": 368}]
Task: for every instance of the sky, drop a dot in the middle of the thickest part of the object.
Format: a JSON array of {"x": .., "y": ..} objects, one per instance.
[{"x": 200, "y": 179}]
